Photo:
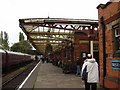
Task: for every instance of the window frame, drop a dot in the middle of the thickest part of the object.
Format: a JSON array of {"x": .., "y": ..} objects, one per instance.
[{"x": 116, "y": 38}]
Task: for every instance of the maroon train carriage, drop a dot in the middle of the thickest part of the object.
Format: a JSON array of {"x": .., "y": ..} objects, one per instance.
[
  {"x": 27, "y": 58},
  {"x": 2, "y": 58},
  {"x": 13, "y": 59}
]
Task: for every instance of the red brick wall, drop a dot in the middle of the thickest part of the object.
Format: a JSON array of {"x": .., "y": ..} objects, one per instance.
[
  {"x": 111, "y": 75},
  {"x": 81, "y": 44},
  {"x": 111, "y": 85},
  {"x": 80, "y": 47},
  {"x": 109, "y": 11}
]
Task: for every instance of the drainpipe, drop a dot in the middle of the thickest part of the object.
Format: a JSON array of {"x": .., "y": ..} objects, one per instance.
[{"x": 104, "y": 47}]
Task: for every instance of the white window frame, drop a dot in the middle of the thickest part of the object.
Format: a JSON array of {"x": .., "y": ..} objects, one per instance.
[{"x": 117, "y": 32}]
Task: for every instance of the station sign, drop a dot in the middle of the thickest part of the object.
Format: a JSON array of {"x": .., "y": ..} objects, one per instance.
[{"x": 115, "y": 64}]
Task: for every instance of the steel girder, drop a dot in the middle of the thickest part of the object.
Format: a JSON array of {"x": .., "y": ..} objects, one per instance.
[{"x": 55, "y": 31}]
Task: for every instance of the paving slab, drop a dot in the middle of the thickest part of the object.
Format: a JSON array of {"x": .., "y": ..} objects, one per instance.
[{"x": 50, "y": 76}]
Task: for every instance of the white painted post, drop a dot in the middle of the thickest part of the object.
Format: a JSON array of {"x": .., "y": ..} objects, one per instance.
[{"x": 91, "y": 47}]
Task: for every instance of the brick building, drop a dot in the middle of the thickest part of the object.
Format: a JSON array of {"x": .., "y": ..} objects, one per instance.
[
  {"x": 82, "y": 46},
  {"x": 109, "y": 44}
]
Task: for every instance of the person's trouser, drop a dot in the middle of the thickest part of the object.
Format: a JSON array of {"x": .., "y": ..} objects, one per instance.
[
  {"x": 78, "y": 70},
  {"x": 93, "y": 86}
]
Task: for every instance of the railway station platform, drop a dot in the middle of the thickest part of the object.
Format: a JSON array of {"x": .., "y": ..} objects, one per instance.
[
  {"x": 50, "y": 76},
  {"x": 46, "y": 76}
]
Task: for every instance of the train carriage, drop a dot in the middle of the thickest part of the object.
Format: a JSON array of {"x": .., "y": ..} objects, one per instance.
[
  {"x": 14, "y": 58},
  {"x": 2, "y": 58},
  {"x": 11, "y": 59}
]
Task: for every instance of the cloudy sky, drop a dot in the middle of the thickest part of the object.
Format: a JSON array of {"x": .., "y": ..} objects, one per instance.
[{"x": 13, "y": 10}]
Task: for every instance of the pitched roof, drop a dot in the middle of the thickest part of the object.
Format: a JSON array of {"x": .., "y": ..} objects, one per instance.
[{"x": 103, "y": 5}]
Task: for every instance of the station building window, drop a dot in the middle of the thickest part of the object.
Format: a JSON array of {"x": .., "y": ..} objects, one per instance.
[{"x": 116, "y": 30}]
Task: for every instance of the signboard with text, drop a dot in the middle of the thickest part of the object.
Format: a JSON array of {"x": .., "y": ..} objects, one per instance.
[{"x": 115, "y": 64}]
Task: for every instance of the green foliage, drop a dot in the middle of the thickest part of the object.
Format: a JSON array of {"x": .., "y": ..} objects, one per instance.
[
  {"x": 4, "y": 41},
  {"x": 1, "y": 40},
  {"x": 21, "y": 37},
  {"x": 1, "y": 37},
  {"x": 22, "y": 46}
]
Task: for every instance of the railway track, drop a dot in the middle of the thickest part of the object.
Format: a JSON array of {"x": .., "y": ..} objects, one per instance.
[{"x": 13, "y": 80}]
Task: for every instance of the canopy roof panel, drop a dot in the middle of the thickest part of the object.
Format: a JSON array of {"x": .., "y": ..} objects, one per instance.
[{"x": 54, "y": 31}]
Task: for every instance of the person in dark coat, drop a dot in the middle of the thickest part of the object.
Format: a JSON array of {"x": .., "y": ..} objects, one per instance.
[
  {"x": 78, "y": 66},
  {"x": 42, "y": 59}
]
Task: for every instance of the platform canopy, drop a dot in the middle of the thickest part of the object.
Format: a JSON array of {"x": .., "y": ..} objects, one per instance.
[{"x": 54, "y": 31}]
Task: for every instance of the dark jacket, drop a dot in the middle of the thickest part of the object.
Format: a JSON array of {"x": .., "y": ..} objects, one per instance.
[{"x": 78, "y": 62}]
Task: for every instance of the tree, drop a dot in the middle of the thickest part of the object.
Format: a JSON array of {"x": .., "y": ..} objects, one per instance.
[
  {"x": 22, "y": 46},
  {"x": 15, "y": 47},
  {"x": 21, "y": 37},
  {"x": 1, "y": 37},
  {"x": 1, "y": 40},
  {"x": 4, "y": 41}
]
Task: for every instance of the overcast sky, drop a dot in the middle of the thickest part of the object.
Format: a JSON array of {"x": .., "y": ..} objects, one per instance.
[{"x": 13, "y": 10}]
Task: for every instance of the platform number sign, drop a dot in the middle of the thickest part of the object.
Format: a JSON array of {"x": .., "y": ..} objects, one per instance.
[{"x": 115, "y": 64}]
